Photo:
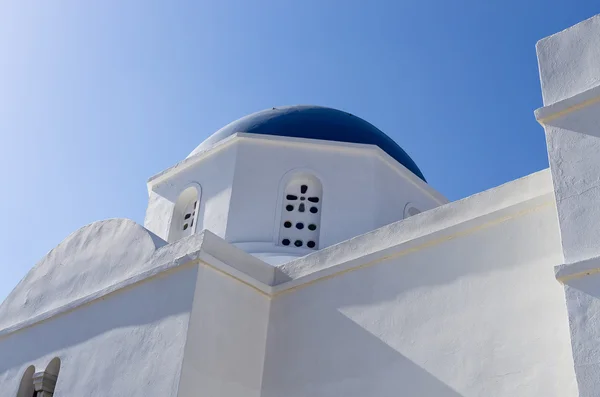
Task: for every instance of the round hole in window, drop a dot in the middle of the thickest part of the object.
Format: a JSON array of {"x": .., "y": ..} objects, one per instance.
[
  {"x": 311, "y": 244},
  {"x": 314, "y": 210},
  {"x": 185, "y": 226},
  {"x": 287, "y": 224},
  {"x": 312, "y": 226},
  {"x": 285, "y": 241},
  {"x": 289, "y": 207},
  {"x": 299, "y": 225},
  {"x": 298, "y": 243},
  {"x": 303, "y": 198},
  {"x": 303, "y": 189}
]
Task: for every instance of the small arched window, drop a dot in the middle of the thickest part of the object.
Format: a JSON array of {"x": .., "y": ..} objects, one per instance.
[
  {"x": 300, "y": 223},
  {"x": 26, "y": 387},
  {"x": 53, "y": 367},
  {"x": 44, "y": 382},
  {"x": 185, "y": 214},
  {"x": 410, "y": 210}
]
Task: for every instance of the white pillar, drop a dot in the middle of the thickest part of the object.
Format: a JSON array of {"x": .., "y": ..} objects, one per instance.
[{"x": 569, "y": 64}]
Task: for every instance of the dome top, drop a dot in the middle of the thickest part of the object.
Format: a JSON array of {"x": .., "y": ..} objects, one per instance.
[{"x": 313, "y": 122}]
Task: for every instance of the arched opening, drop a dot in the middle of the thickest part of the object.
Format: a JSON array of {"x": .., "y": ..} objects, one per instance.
[
  {"x": 185, "y": 214},
  {"x": 26, "y": 388},
  {"x": 53, "y": 367},
  {"x": 301, "y": 203},
  {"x": 44, "y": 382},
  {"x": 410, "y": 210}
]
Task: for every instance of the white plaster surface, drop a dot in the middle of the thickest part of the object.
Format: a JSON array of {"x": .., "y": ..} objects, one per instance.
[
  {"x": 129, "y": 339},
  {"x": 583, "y": 303},
  {"x": 225, "y": 351},
  {"x": 92, "y": 258},
  {"x": 444, "y": 303},
  {"x": 439, "y": 223},
  {"x": 243, "y": 204},
  {"x": 214, "y": 175},
  {"x": 471, "y": 310},
  {"x": 569, "y": 61},
  {"x": 460, "y": 300},
  {"x": 570, "y": 72},
  {"x": 129, "y": 343},
  {"x": 574, "y": 156}
]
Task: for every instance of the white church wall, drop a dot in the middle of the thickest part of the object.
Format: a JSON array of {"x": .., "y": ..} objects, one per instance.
[
  {"x": 346, "y": 179},
  {"x": 570, "y": 80},
  {"x": 469, "y": 311},
  {"x": 226, "y": 341},
  {"x": 128, "y": 343},
  {"x": 353, "y": 179},
  {"x": 214, "y": 175},
  {"x": 243, "y": 205},
  {"x": 394, "y": 197}
]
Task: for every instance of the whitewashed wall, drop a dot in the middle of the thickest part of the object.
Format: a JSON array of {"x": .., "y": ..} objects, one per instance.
[
  {"x": 570, "y": 79},
  {"x": 394, "y": 195},
  {"x": 242, "y": 181},
  {"x": 360, "y": 191},
  {"x": 477, "y": 313},
  {"x": 129, "y": 343},
  {"x": 215, "y": 177},
  {"x": 225, "y": 351}
]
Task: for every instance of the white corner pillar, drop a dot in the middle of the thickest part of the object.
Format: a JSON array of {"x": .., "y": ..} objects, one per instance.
[{"x": 569, "y": 64}]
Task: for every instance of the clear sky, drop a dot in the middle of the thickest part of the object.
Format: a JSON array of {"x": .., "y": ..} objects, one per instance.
[{"x": 97, "y": 96}]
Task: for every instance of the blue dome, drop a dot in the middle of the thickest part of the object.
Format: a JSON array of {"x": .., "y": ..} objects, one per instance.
[{"x": 313, "y": 122}]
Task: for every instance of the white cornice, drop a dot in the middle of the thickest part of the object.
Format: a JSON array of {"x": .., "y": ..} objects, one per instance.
[
  {"x": 561, "y": 108},
  {"x": 315, "y": 144}
]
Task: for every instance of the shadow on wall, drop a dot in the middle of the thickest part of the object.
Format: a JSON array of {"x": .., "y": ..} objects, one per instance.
[
  {"x": 314, "y": 349},
  {"x": 582, "y": 121},
  {"x": 583, "y": 305},
  {"x": 353, "y": 363},
  {"x": 97, "y": 323}
]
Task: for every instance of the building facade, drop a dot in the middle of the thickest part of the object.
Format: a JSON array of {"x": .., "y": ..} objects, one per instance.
[{"x": 299, "y": 251}]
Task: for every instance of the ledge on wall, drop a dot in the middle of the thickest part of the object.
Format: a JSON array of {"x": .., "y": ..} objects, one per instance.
[
  {"x": 118, "y": 253},
  {"x": 107, "y": 256}
]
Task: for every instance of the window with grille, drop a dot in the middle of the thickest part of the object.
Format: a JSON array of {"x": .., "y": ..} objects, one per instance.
[
  {"x": 410, "y": 210},
  {"x": 185, "y": 214},
  {"x": 301, "y": 213}
]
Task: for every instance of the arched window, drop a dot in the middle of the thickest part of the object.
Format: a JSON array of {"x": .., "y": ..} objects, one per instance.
[
  {"x": 185, "y": 214},
  {"x": 26, "y": 387},
  {"x": 410, "y": 210},
  {"x": 44, "y": 382},
  {"x": 300, "y": 223},
  {"x": 53, "y": 367}
]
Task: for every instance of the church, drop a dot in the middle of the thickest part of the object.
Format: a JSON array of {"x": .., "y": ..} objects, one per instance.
[{"x": 299, "y": 251}]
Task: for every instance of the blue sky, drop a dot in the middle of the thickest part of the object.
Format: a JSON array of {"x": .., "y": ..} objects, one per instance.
[{"x": 97, "y": 96}]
